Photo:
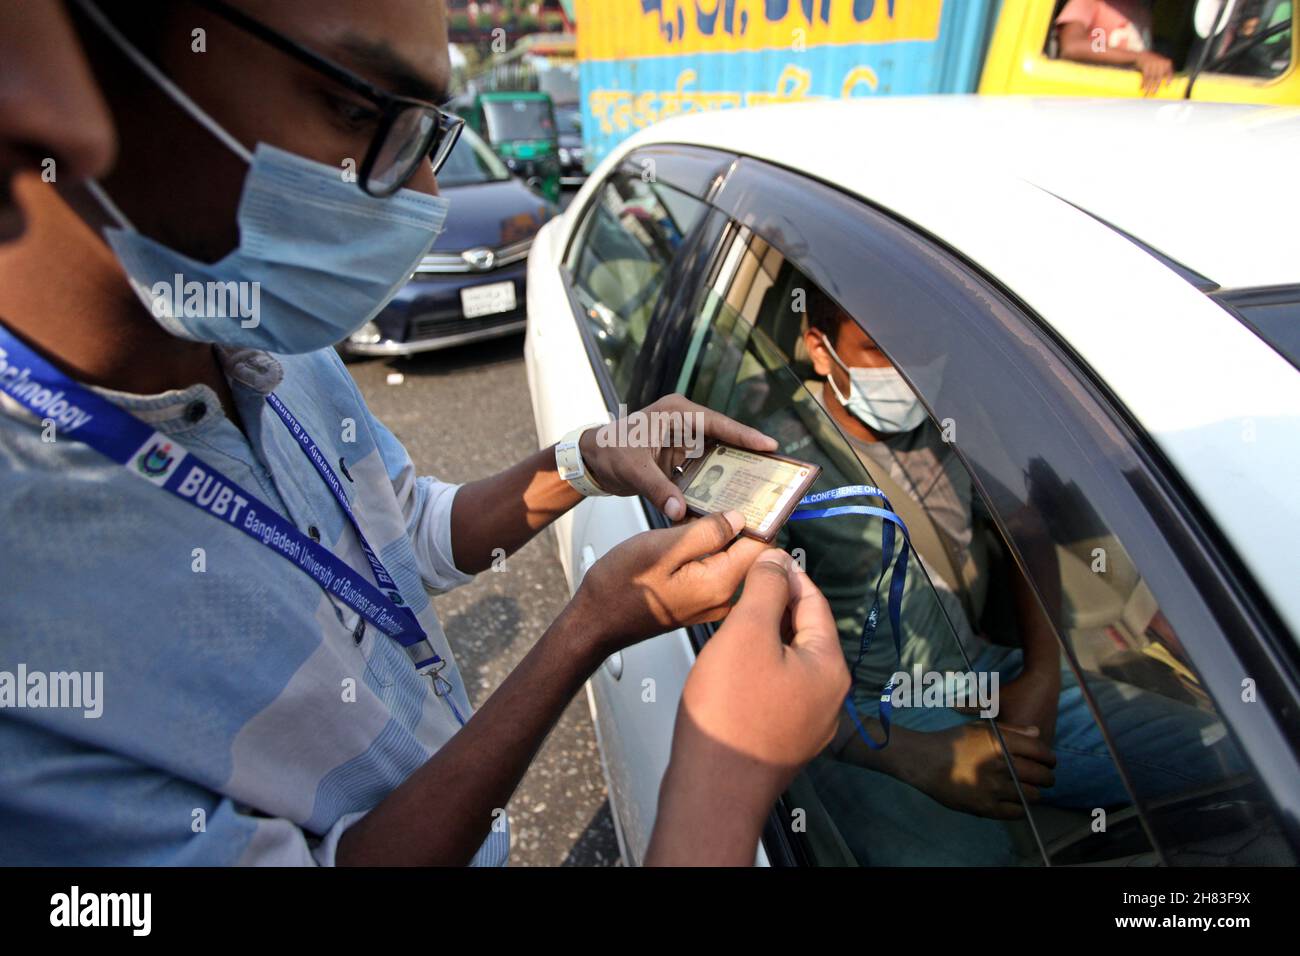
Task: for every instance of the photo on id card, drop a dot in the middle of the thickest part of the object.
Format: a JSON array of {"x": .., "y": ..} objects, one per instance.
[{"x": 764, "y": 488}]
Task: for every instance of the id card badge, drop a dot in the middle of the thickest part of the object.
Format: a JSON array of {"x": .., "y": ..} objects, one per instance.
[{"x": 764, "y": 488}]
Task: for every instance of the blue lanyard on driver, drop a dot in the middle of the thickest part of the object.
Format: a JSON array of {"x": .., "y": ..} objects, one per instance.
[
  {"x": 76, "y": 411},
  {"x": 896, "y": 585}
]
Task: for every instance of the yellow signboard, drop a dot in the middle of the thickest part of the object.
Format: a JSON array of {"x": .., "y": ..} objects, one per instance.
[
  {"x": 622, "y": 111},
  {"x": 622, "y": 29}
]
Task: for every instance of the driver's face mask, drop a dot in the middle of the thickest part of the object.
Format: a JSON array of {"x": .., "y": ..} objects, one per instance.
[
  {"x": 317, "y": 257},
  {"x": 878, "y": 397}
]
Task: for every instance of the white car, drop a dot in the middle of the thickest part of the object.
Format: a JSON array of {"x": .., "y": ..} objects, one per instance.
[{"x": 1097, "y": 304}]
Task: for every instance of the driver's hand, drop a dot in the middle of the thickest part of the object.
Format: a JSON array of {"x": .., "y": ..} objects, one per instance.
[
  {"x": 1156, "y": 71},
  {"x": 964, "y": 769}
]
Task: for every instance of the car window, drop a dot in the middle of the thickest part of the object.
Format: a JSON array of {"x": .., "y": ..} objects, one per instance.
[
  {"x": 1201, "y": 799},
  {"x": 747, "y": 357},
  {"x": 1249, "y": 38},
  {"x": 1254, "y": 37},
  {"x": 1160, "y": 662},
  {"x": 632, "y": 233},
  {"x": 570, "y": 121},
  {"x": 1110, "y": 684},
  {"x": 514, "y": 120},
  {"x": 1271, "y": 313},
  {"x": 471, "y": 161}
]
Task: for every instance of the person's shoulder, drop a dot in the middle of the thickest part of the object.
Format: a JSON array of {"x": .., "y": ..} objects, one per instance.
[
  {"x": 1078, "y": 11},
  {"x": 319, "y": 380},
  {"x": 322, "y": 367},
  {"x": 32, "y": 458}
]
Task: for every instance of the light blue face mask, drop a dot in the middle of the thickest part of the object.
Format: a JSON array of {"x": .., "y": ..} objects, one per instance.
[{"x": 317, "y": 257}]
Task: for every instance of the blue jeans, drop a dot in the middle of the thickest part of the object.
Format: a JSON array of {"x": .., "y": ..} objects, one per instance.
[{"x": 1166, "y": 746}]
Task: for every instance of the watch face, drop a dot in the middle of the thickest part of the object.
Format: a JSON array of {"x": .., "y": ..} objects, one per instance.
[{"x": 566, "y": 459}]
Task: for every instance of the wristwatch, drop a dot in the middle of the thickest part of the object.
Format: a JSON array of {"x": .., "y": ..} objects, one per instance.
[{"x": 568, "y": 459}]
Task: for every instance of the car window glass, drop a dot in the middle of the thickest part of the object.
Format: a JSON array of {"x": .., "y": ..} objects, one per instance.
[
  {"x": 1253, "y": 37},
  {"x": 1094, "y": 578},
  {"x": 471, "y": 161},
  {"x": 570, "y": 121},
  {"x": 515, "y": 120},
  {"x": 1273, "y": 315},
  {"x": 632, "y": 233},
  {"x": 747, "y": 357},
  {"x": 1133, "y": 719},
  {"x": 1203, "y": 803},
  {"x": 1111, "y": 687}
]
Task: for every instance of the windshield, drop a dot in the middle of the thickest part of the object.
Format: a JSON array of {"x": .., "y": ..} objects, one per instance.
[
  {"x": 1253, "y": 37},
  {"x": 471, "y": 161},
  {"x": 509, "y": 120},
  {"x": 569, "y": 121}
]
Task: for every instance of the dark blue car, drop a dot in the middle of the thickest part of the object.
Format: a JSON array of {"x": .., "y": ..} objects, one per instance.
[{"x": 471, "y": 284}]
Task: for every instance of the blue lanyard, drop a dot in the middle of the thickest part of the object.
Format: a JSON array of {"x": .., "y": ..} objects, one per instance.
[
  {"x": 433, "y": 664},
  {"x": 82, "y": 414},
  {"x": 896, "y": 585}
]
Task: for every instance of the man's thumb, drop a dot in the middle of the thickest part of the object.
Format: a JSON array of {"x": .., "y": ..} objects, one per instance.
[
  {"x": 708, "y": 535},
  {"x": 766, "y": 595}
]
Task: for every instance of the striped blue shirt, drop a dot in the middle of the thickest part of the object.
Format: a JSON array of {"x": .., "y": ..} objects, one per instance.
[{"x": 245, "y": 716}]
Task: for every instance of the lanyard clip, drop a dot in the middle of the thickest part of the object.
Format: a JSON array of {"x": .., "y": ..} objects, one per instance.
[{"x": 441, "y": 686}]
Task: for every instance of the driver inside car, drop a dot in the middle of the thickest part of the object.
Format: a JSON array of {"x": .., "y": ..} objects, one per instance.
[{"x": 861, "y": 421}]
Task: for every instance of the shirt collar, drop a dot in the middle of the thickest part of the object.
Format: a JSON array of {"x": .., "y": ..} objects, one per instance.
[
  {"x": 197, "y": 408},
  {"x": 259, "y": 370}
]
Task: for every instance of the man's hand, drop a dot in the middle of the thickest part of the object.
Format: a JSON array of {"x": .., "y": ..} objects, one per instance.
[
  {"x": 964, "y": 769},
  {"x": 663, "y": 579},
  {"x": 633, "y": 456},
  {"x": 761, "y": 701},
  {"x": 770, "y": 683},
  {"x": 658, "y": 439},
  {"x": 1156, "y": 71},
  {"x": 1077, "y": 44}
]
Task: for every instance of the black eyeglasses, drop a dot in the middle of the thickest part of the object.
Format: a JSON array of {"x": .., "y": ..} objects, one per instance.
[{"x": 409, "y": 129}]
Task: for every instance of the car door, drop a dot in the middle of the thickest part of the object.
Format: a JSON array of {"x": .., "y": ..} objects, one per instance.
[
  {"x": 633, "y": 241},
  {"x": 1161, "y": 756},
  {"x": 740, "y": 349}
]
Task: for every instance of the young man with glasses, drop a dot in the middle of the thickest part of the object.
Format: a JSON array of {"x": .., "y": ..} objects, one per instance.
[{"x": 271, "y": 682}]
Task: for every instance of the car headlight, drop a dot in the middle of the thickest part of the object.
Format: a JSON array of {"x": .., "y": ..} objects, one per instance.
[
  {"x": 368, "y": 334},
  {"x": 565, "y": 155}
]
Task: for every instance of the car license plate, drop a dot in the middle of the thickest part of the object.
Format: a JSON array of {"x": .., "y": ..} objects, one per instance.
[{"x": 487, "y": 299}]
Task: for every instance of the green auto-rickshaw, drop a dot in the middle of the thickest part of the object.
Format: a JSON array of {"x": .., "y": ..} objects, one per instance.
[{"x": 520, "y": 128}]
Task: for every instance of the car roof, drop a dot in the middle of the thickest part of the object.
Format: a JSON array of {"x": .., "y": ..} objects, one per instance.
[
  {"x": 1018, "y": 185},
  {"x": 1188, "y": 179}
]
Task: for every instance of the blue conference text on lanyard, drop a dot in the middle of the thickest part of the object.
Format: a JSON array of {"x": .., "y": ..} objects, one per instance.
[
  {"x": 91, "y": 419},
  {"x": 896, "y": 585}
]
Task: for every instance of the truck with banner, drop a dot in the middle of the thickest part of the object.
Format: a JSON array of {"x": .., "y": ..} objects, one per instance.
[{"x": 645, "y": 60}]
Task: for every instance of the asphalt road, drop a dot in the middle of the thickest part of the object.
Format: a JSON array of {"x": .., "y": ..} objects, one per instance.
[{"x": 464, "y": 413}]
